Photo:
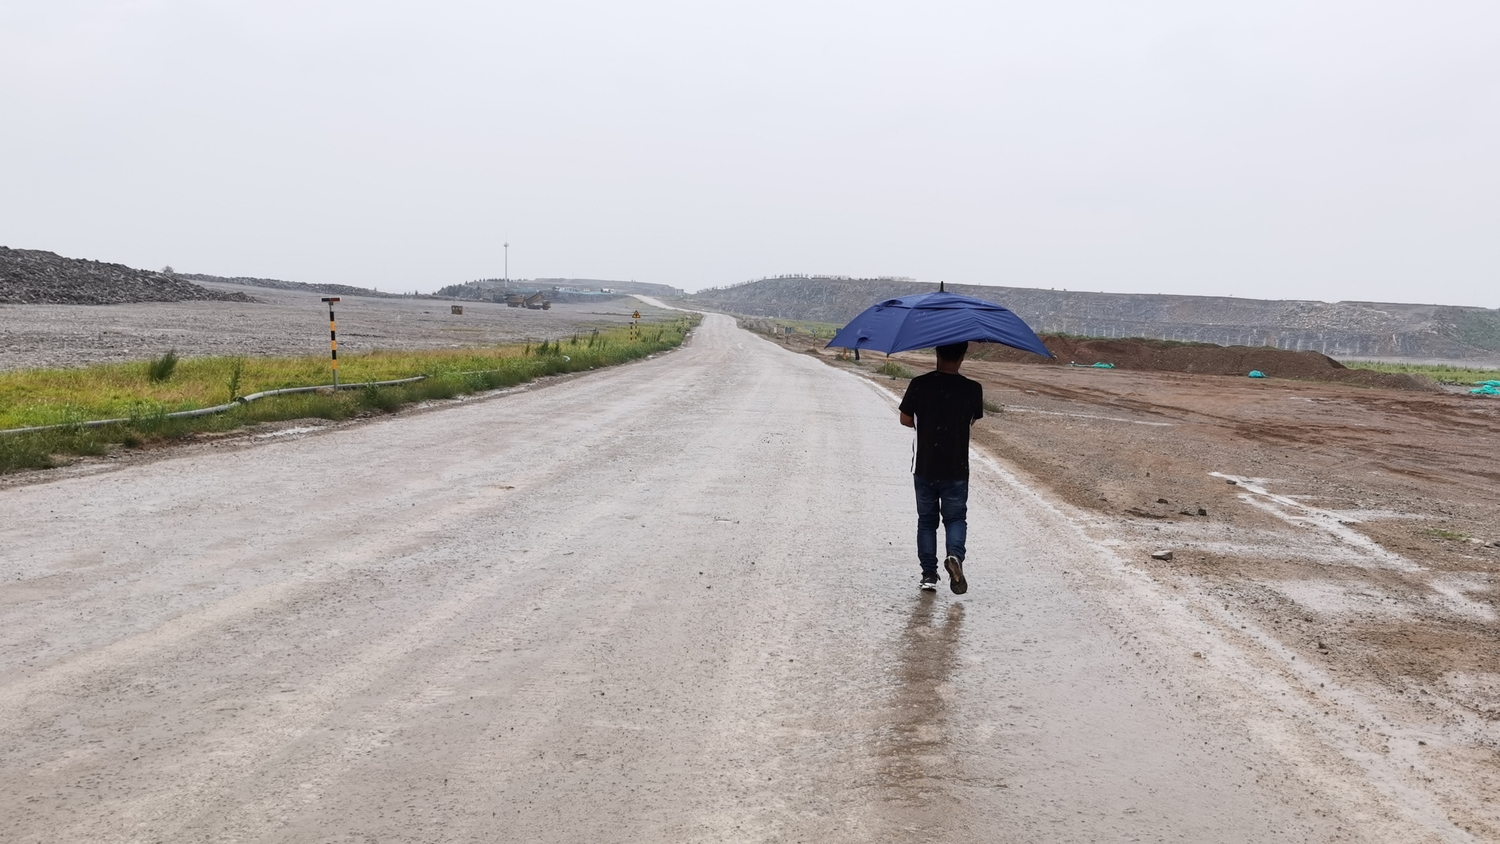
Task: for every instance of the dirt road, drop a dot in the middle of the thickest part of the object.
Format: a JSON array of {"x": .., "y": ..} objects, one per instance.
[{"x": 673, "y": 601}]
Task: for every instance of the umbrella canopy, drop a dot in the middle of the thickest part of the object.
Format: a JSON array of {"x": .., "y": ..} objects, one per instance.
[{"x": 935, "y": 319}]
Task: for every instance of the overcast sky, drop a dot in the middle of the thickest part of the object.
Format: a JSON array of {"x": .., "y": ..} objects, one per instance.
[{"x": 1323, "y": 150}]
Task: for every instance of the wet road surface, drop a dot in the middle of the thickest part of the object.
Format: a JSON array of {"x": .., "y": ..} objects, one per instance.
[{"x": 672, "y": 601}]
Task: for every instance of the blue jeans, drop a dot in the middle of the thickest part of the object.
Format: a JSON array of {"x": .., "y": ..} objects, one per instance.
[{"x": 949, "y": 499}]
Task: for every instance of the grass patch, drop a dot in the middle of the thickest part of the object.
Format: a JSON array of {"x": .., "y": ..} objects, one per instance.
[
  {"x": 1437, "y": 372},
  {"x": 236, "y": 375},
  {"x": 795, "y": 327},
  {"x": 1443, "y": 533},
  {"x": 161, "y": 369},
  {"x": 127, "y": 391},
  {"x": 893, "y": 369}
]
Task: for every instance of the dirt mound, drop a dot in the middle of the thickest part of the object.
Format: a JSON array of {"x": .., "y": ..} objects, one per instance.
[
  {"x": 1141, "y": 354},
  {"x": 33, "y": 277}
]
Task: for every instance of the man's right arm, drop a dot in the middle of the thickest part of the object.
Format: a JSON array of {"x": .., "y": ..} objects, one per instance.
[{"x": 908, "y": 407}]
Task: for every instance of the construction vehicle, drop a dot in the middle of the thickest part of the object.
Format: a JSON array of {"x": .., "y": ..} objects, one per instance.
[
  {"x": 536, "y": 302},
  {"x": 515, "y": 300}
]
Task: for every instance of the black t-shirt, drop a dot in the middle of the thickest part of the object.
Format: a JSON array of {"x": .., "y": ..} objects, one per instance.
[{"x": 945, "y": 405}]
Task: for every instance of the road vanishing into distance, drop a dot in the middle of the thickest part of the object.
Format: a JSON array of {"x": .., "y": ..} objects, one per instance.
[{"x": 670, "y": 601}]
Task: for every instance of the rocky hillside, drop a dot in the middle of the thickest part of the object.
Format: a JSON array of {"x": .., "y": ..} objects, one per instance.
[
  {"x": 33, "y": 277},
  {"x": 1339, "y": 329},
  {"x": 278, "y": 284},
  {"x": 645, "y": 288},
  {"x": 486, "y": 289}
]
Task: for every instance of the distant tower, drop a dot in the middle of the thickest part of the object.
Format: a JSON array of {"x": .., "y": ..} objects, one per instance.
[{"x": 507, "y": 263}]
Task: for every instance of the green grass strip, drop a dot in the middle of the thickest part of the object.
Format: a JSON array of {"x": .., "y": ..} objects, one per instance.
[
  {"x": 1437, "y": 372},
  {"x": 73, "y": 396},
  {"x": 776, "y": 326}
]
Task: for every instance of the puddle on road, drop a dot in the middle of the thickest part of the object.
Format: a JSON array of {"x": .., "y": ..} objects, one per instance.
[
  {"x": 916, "y": 755},
  {"x": 1449, "y": 596},
  {"x": 1335, "y": 598},
  {"x": 1337, "y": 524},
  {"x": 1019, "y": 409},
  {"x": 289, "y": 432}
]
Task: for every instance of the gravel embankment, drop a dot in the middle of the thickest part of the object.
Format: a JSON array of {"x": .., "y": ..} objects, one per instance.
[
  {"x": 34, "y": 277},
  {"x": 280, "y": 322}
]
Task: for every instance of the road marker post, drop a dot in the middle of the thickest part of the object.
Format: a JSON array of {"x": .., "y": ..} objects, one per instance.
[
  {"x": 635, "y": 326},
  {"x": 333, "y": 338}
]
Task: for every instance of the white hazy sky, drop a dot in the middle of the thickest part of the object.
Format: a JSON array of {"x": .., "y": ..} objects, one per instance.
[{"x": 1322, "y": 150}]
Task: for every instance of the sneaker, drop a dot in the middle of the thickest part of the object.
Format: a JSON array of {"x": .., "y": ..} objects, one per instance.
[
  {"x": 956, "y": 581},
  {"x": 929, "y": 583}
]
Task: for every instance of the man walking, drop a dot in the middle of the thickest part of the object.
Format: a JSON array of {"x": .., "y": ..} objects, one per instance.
[{"x": 942, "y": 405}]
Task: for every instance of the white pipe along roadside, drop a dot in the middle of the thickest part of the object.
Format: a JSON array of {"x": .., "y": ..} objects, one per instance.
[{"x": 208, "y": 411}]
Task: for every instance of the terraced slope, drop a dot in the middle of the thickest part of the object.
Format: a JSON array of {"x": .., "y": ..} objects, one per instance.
[{"x": 1338, "y": 329}]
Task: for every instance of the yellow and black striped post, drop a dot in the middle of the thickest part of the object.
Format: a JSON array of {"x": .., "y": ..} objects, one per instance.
[{"x": 333, "y": 338}]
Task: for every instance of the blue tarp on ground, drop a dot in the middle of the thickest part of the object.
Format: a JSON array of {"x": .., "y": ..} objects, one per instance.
[{"x": 935, "y": 319}]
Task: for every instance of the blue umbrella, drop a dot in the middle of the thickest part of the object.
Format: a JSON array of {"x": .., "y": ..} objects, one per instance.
[{"x": 935, "y": 319}]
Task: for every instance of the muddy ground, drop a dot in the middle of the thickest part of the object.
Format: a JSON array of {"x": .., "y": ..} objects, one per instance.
[
  {"x": 1350, "y": 534},
  {"x": 281, "y": 322}
]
